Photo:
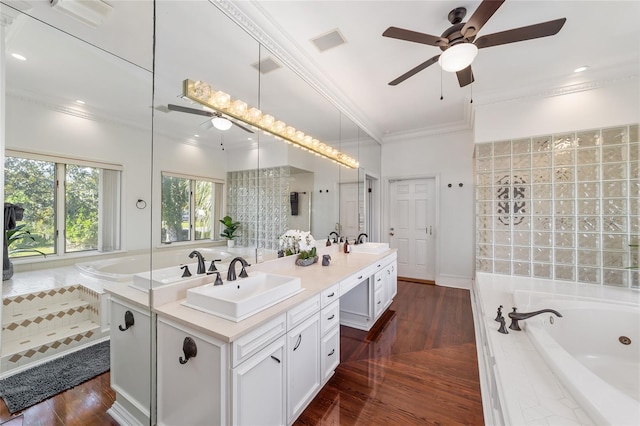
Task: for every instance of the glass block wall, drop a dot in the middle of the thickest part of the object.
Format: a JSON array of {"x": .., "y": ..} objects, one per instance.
[
  {"x": 253, "y": 193},
  {"x": 562, "y": 206}
]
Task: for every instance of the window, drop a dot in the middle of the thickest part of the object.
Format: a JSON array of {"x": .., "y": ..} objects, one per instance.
[
  {"x": 75, "y": 199},
  {"x": 191, "y": 208}
]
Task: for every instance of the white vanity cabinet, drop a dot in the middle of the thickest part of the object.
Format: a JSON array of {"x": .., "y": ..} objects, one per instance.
[
  {"x": 259, "y": 387},
  {"x": 192, "y": 376},
  {"x": 303, "y": 365},
  {"x": 130, "y": 362}
]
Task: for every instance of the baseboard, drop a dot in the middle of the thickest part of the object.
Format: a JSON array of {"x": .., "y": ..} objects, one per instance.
[
  {"x": 416, "y": 280},
  {"x": 122, "y": 416},
  {"x": 455, "y": 281}
]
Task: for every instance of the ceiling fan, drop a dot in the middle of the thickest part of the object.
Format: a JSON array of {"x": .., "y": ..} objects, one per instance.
[
  {"x": 459, "y": 44},
  {"x": 217, "y": 119}
]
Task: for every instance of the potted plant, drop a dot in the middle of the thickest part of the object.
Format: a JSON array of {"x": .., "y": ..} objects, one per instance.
[
  {"x": 15, "y": 236},
  {"x": 230, "y": 228}
]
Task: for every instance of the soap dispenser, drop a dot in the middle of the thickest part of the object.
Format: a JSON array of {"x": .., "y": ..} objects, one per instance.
[
  {"x": 328, "y": 243},
  {"x": 347, "y": 249}
]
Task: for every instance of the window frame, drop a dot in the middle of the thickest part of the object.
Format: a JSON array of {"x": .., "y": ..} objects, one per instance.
[
  {"x": 60, "y": 203},
  {"x": 217, "y": 207}
]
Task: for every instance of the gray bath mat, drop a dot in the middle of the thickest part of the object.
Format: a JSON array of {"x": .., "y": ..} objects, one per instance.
[{"x": 31, "y": 386}]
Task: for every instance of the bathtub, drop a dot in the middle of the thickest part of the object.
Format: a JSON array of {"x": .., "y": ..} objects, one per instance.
[
  {"x": 122, "y": 269},
  {"x": 594, "y": 350}
]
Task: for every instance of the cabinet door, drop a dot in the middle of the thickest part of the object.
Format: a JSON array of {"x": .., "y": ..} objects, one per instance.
[
  {"x": 330, "y": 353},
  {"x": 130, "y": 356},
  {"x": 191, "y": 390},
  {"x": 392, "y": 280},
  {"x": 303, "y": 365},
  {"x": 258, "y": 388}
]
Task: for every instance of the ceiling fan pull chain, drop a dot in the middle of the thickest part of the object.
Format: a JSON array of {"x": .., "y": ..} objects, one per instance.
[
  {"x": 471, "y": 86},
  {"x": 441, "y": 97}
]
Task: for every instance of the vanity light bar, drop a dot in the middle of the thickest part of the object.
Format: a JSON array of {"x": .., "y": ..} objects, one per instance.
[{"x": 203, "y": 94}]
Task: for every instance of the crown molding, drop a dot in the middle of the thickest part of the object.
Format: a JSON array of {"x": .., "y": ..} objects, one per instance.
[
  {"x": 250, "y": 16},
  {"x": 465, "y": 124}
]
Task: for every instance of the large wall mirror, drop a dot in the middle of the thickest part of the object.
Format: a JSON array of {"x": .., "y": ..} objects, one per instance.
[{"x": 148, "y": 174}]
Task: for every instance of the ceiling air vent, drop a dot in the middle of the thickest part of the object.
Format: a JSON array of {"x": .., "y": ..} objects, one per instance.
[
  {"x": 266, "y": 65},
  {"x": 90, "y": 12},
  {"x": 329, "y": 40}
]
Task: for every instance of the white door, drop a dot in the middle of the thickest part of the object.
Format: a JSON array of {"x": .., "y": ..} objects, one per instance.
[
  {"x": 349, "y": 210},
  {"x": 412, "y": 226}
]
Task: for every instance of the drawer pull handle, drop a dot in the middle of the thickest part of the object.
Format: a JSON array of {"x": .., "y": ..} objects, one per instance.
[
  {"x": 378, "y": 266},
  {"x": 331, "y": 317},
  {"x": 189, "y": 348},
  {"x": 273, "y": 357},
  {"x": 128, "y": 321},
  {"x": 360, "y": 277},
  {"x": 379, "y": 301},
  {"x": 332, "y": 294},
  {"x": 379, "y": 279},
  {"x": 297, "y": 345},
  {"x": 333, "y": 351}
]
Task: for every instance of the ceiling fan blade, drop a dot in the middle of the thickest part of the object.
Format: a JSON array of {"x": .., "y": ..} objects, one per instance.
[
  {"x": 408, "y": 35},
  {"x": 246, "y": 129},
  {"x": 414, "y": 71},
  {"x": 189, "y": 110},
  {"x": 480, "y": 17},
  {"x": 465, "y": 76},
  {"x": 543, "y": 29}
]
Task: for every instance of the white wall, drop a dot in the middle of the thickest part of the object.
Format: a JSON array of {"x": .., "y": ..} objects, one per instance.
[
  {"x": 448, "y": 156},
  {"x": 35, "y": 127},
  {"x": 616, "y": 103}
]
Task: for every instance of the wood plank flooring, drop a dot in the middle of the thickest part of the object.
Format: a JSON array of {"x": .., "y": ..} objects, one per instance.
[{"x": 417, "y": 366}]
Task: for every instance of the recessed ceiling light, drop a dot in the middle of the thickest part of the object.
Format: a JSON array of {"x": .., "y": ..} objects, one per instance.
[
  {"x": 79, "y": 101},
  {"x": 580, "y": 69},
  {"x": 19, "y": 56}
]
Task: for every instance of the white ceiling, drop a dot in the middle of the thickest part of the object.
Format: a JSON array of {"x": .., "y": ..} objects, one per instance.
[{"x": 603, "y": 35}]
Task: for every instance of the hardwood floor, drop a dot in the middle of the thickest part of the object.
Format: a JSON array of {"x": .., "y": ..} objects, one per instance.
[
  {"x": 417, "y": 366},
  {"x": 84, "y": 405}
]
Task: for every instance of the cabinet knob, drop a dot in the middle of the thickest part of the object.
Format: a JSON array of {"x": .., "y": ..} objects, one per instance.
[
  {"x": 128, "y": 321},
  {"x": 189, "y": 348}
]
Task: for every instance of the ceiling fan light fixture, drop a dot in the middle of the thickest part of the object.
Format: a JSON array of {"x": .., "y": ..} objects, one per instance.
[
  {"x": 458, "y": 57},
  {"x": 221, "y": 123}
]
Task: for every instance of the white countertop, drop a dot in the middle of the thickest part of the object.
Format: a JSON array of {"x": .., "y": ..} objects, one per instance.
[
  {"x": 529, "y": 391},
  {"x": 314, "y": 279}
]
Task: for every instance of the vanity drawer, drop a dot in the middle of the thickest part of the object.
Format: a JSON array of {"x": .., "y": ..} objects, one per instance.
[
  {"x": 329, "y": 317},
  {"x": 255, "y": 340},
  {"x": 330, "y": 354},
  {"x": 378, "y": 280},
  {"x": 301, "y": 312},
  {"x": 330, "y": 295}
]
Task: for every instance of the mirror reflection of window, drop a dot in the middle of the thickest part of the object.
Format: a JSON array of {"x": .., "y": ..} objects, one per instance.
[
  {"x": 78, "y": 201},
  {"x": 191, "y": 208}
]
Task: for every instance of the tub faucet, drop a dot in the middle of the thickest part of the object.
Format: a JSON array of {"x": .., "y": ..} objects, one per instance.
[
  {"x": 201, "y": 268},
  {"x": 359, "y": 239},
  {"x": 515, "y": 316},
  {"x": 231, "y": 273},
  {"x": 335, "y": 239}
]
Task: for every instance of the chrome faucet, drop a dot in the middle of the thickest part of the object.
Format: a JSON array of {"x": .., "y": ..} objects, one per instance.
[
  {"x": 516, "y": 316},
  {"x": 335, "y": 239},
  {"x": 359, "y": 239},
  {"x": 201, "y": 268},
  {"x": 231, "y": 273}
]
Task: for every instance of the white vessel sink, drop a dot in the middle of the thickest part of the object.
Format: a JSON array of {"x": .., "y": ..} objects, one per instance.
[
  {"x": 239, "y": 299},
  {"x": 369, "y": 248},
  {"x": 173, "y": 275}
]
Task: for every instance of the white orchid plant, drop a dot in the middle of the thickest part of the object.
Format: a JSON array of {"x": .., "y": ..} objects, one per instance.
[{"x": 299, "y": 242}]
